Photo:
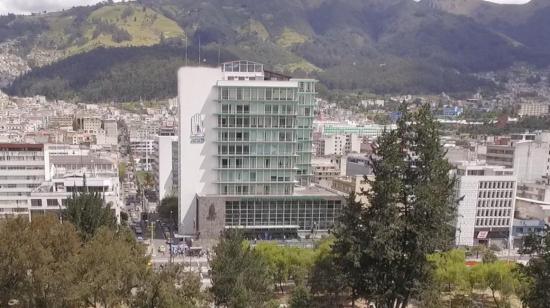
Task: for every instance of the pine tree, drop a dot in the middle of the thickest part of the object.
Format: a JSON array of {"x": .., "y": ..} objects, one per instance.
[
  {"x": 537, "y": 271},
  {"x": 409, "y": 215},
  {"x": 240, "y": 277},
  {"x": 88, "y": 212}
]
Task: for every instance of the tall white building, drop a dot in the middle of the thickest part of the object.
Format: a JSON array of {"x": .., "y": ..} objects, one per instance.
[
  {"x": 21, "y": 171},
  {"x": 165, "y": 165},
  {"x": 486, "y": 211},
  {"x": 245, "y": 153},
  {"x": 528, "y": 158},
  {"x": 342, "y": 144}
]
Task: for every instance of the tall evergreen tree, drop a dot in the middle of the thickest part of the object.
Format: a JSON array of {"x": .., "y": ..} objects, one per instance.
[
  {"x": 411, "y": 207},
  {"x": 240, "y": 277},
  {"x": 348, "y": 233},
  {"x": 537, "y": 271},
  {"x": 88, "y": 212}
]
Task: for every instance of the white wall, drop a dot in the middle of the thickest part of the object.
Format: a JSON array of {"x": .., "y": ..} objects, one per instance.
[
  {"x": 530, "y": 160},
  {"x": 196, "y": 95},
  {"x": 165, "y": 165}
]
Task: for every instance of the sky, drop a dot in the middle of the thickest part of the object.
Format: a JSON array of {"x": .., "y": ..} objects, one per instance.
[{"x": 28, "y": 6}]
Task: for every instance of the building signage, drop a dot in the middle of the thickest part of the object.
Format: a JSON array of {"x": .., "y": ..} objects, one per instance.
[
  {"x": 197, "y": 129},
  {"x": 482, "y": 235}
]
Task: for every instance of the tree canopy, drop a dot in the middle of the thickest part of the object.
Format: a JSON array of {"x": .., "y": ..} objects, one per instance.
[
  {"x": 383, "y": 246},
  {"x": 88, "y": 212},
  {"x": 239, "y": 275}
]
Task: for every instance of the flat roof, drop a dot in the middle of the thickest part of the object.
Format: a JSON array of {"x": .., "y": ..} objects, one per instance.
[
  {"x": 78, "y": 160},
  {"x": 21, "y": 147}
]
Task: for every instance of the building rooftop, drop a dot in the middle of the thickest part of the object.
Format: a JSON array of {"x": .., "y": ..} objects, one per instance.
[{"x": 78, "y": 160}]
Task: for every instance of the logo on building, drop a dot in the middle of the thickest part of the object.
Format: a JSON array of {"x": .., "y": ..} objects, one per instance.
[{"x": 197, "y": 129}]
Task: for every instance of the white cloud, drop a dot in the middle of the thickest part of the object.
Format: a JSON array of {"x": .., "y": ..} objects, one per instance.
[{"x": 33, "y": 6}]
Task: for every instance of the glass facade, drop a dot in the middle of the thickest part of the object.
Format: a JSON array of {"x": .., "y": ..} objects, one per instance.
[
  {"x": 264, "y": 138},
  {"x": 306, "y": 214}
]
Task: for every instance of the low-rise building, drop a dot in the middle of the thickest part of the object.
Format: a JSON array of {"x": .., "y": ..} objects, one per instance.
[{"x": 533, "y": 109}]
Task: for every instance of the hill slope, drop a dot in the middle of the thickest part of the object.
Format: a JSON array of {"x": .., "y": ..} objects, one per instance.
[{"x": 383, "y": 46}]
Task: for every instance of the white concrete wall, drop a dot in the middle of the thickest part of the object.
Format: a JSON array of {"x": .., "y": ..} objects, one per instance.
[
  {"x": 196, "y": 94},
  {"x": 530, "y": 161},
  {"x": 165, "y": 165},
  {"x": 466, "y": 216}
]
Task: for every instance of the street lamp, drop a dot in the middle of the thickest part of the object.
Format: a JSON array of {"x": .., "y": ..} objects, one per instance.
[{"x": 170, "y": 237}]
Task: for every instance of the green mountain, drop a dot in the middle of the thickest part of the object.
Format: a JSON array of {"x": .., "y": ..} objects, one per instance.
[{"x": 381, "y": 46}]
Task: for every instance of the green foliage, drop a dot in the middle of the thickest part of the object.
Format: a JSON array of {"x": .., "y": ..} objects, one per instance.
[
  {"x": 168, "y": 208},
  {"x": 409, "y": 216},
  {"x": 301, "y": 298},
  {"x": 388, "y": 46},
  {"x": 172, "y": 287},
  {"x": 326, "y": 277},
  {"x": 108, "y": 259},
  {"x": 460, "y": 282},
  {"x": 239, "y": 274},
  {"x": 286, "y": 263},
  {"x": 88, "y": 212},
  {"x": 34, "y": 257},
  {"x": 122, "y": 167},
  {"x": 536, "y": 275},
  {"x": 348, "y": 245},
  {"x": 44, "y": 263}
]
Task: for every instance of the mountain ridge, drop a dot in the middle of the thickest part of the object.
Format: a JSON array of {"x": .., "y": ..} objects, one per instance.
[{"x": 380, "y": 46}]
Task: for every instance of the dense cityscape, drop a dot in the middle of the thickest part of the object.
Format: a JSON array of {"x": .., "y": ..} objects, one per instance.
[{"x": 244, "y": 181}]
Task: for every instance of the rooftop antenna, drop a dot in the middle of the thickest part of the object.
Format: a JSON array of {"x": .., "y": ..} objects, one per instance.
[
  {"x": 185, "y": 50},
  {"x": 219, "y": 54},
  {"x": 199, "y": 50}
]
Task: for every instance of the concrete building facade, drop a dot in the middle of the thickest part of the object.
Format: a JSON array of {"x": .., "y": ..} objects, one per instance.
[
  {"x": 245, "y": 145},
  {"x": 21, "y": 171},
  {"x": 164, "y": 161},
  {"x": 342, "y": 144},
  {"x": 486, "y": 211}
]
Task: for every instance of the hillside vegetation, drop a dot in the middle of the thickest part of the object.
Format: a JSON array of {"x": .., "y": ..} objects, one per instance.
[{"x": 380, "y": 46}]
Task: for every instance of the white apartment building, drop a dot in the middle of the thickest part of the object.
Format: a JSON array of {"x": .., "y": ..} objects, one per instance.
[
  {"x": 143, "y": 152},
  {"x": 164, "y": 165},
  {"x": 67, "y": 174},
  {"x": 342, "y": 144},
  {"x": 533, "y": 109},
  {"x": 89, "y": 124},
  {"x": 110, "y": 127},
  {"x": 21, "y": 171},
  {"x": 486, "y": 212},
  {"x": 528, "y": 158}
]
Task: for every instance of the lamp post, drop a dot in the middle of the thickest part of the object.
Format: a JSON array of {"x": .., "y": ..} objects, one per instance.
[{"x": 170, "y": 237}]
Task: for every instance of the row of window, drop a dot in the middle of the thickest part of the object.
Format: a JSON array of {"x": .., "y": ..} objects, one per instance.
[
  {"x": 496, "y": 194},
  {"x": 256, "y": 189},
  {"x": 254, "y": 176},
  {"x": 258, "y": 94},
  {"x": 258, "y": 136},
  {"x": 49, "y": 202},
  {"x": 494, "y": 203},
  {"x": 493, "y": 222},
  {"x": 256, "y": 162},
  {"x": 257, "y": 122},
  {"x": 275, "y": 149},
  {"x": 21, "y": 167},
  {"x": 286, "y": 109},
  {"x": 306, "y": 214},
  {"x": 21, "y": 158},
  {"x": 494, "y": 213},
  {"x": 498, "y": 185}
]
